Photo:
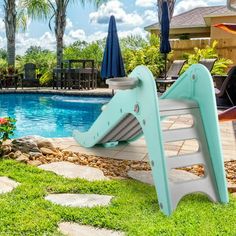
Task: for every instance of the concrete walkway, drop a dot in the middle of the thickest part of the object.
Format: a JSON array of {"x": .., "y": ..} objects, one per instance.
[{"x": 137, "y": 151}]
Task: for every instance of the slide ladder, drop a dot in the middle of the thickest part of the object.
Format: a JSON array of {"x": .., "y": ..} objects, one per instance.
[{"x": 138, "y": 111}]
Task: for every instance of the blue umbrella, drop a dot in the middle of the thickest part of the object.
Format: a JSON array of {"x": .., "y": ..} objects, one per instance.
[
  {"x": 165, "y": 8},
  {"x": 112, "y": 63},
  {"x": 165, "y": 28}
]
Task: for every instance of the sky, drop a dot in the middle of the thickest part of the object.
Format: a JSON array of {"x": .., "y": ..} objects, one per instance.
[{"x": 89, "y": 24}]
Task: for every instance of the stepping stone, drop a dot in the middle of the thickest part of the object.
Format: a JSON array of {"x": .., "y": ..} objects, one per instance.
[
  {"x": 71, "y": 170},
  {"x": 7, "y": 185},
  {"x": 175, "y": 176},
  {"x": 79, "y": 200},
  {"x": 73, "y": 229}
]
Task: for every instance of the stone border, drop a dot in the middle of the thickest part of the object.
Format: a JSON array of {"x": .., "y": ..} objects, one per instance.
[{"x": 94, "y": 93}]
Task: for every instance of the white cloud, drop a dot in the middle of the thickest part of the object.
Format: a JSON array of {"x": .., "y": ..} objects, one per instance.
[
  {"x": 23, "y": 42},
  {"x": 69, "y": 23},
  {"x": 184, "y": 6},
  {"x": 2, "y": 25},
  {"x": 146, "y": 3},
  {"x": 136, "y": 31},
  {"x": 115, "y": 7},
  {"x": 74, "y": 35},
  {"x": 48, "y": 41},
  {"x": 150, "y": 16}
]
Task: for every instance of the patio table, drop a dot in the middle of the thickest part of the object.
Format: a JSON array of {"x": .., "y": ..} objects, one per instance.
[{"x": 83, "y": 77}]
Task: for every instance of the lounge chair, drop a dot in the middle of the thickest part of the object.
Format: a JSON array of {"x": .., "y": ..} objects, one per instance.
[
  {"x": 171, "y": 75},
  {"x": 226, "y": 95},
  {"x": 208, "y": 63},
  {"x": 228, "y": 115},
  {"x": 137, "y": 111},
  {"x": 29, "y": 78}
]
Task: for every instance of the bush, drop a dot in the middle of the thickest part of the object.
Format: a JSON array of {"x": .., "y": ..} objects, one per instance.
[
  {"x": 7, "y": 127},
  {"x": 148, "y": 54},
  {"x": 84, "y": 50},
  {"x": 44, "y": 59},
  {"x": 220, "y": 66}
]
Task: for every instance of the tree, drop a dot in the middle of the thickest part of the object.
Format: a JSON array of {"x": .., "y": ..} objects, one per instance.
[
  {"x": 56, "y": 9},
  {"x": 10, "y": 26}
]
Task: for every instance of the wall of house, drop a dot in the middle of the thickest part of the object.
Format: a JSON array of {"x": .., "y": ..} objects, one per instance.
[
  {"x": 226, "y": 47},
  {"x": 217, "y": 33}
]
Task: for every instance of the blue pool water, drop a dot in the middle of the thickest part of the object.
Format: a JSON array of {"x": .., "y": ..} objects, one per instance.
[{"x": 50, "y": 115}]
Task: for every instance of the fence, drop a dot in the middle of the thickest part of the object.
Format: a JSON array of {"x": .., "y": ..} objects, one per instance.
[{"x": 226, "y": 47}]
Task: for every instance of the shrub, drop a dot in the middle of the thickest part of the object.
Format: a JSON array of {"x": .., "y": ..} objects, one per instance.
[
  {"x": 7, "y": 127},
  {"x": 220, "y": 66},
  {"x": 148, "y": 54},
  {"x": 44, "y": 59}
]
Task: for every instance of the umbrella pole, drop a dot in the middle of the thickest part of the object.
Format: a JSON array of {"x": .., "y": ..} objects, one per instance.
[{"x": 165, "y": 56}]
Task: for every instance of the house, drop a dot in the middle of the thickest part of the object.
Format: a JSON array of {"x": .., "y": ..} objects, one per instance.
[{"x": 198, "y": 23}]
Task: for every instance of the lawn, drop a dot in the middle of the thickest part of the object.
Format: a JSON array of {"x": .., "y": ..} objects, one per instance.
[{"x": 134, "y": 209}]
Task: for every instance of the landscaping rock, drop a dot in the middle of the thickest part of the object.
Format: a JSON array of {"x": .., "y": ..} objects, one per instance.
[
  {"x": 35, "y": 163},
  {"x": 47, "y": 151},
  {"x": 22, "y": 158},
  {"x": 25, "y": 145},
  {"x": 7, "y": 185},
  {"x": 17, "y": 154},
  {"x": 79, "y": 200},
  {"x": 70, "y": 170},
  {"x": 73, "y": 229},
  {"x": 175, "y": 176}
]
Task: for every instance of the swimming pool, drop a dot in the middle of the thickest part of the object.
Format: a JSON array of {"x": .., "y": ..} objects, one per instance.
[{"x": 50, "y": 115}]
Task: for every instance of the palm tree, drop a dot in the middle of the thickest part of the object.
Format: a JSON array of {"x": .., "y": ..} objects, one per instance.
[
  {"x": 10, "y": 26},
  {"x": 57, "y": 10}
]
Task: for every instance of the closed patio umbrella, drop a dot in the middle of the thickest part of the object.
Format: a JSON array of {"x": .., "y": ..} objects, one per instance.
[
  {"x": 112, "y": 64},
  {"x": 165, "y": 12}
]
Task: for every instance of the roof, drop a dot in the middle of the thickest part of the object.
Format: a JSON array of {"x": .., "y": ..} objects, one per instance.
[{"x": 195, "y": 17}]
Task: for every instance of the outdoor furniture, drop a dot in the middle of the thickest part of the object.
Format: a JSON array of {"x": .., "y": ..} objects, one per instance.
[
  {"x": 228, "y": 115},
  {"x": 76, "y": 73},
  {"x": 208, "y": 63},
  {"x": 29, "y": 77},
  {"x": 137, "y": 111},
  {"x": 58, "y": 78},
  {"x": 226, "y": 93},
  {"x": 10, "y": 80},
  {"x": 171, "y": 75}
]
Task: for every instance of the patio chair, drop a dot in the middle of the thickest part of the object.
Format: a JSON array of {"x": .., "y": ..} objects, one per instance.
[
  {"x": 208, "y": 63},
  {"x": 171, "y": 75},
  {"x": 228, "y": 115},
  {"x": 137, "y": 111},
  {"x": 226, "y": 94},
  {"x": 29, "y": 78}
]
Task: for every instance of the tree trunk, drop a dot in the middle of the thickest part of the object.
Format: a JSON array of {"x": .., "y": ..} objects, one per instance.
[
  {"x": 60, "y": 24},
  {"x": 10, "y": 25}
]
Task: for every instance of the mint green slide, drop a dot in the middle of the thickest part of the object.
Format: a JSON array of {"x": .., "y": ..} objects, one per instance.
[{"x": 137, "y": 111}]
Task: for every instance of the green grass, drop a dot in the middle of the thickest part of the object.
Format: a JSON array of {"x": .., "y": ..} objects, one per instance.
[{"x": 134, "y": 209}]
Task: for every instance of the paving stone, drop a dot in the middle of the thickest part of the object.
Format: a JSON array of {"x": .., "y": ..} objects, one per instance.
[
  {"x": 175, "y": 176},
  {"x": 7, "y": 185},
  {"x": 79, "y": 200},
  {"x": 73, "y": 229},
  {"x": 71, "y": 170}
]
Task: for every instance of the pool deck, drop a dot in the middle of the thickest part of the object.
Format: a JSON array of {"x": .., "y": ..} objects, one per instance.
[{"x": 136, "y": 150}]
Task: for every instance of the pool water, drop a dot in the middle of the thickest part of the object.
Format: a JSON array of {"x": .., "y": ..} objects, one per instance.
[{"x": 50, "y": 115}]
